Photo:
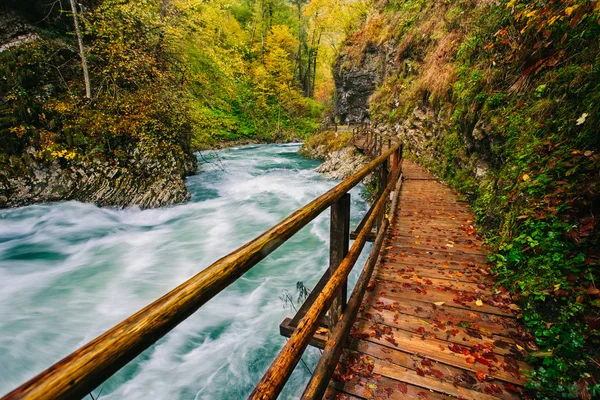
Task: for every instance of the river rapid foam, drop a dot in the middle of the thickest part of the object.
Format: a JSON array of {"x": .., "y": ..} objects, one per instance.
[{"x": 69, "y": 271}]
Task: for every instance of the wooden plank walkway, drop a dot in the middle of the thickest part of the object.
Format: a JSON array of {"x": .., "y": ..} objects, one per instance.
[{"x": 432, "y": 325}]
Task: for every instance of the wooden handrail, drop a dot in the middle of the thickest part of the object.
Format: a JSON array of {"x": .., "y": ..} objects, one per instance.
[
  {"x": 282, "y": 367},
  {"x": 83, "y": 370}
]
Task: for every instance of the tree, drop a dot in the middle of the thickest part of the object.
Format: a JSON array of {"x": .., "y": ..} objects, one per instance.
[{"x": 84, "y": 66}]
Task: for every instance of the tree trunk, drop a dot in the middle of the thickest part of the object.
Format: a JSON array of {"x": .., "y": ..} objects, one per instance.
[
  {"x": 84, "y": 66},
  {"x": 314, "y": 75}
]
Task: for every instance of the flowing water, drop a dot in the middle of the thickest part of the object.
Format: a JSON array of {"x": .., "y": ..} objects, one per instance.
[{"x": 69, "y": 271}]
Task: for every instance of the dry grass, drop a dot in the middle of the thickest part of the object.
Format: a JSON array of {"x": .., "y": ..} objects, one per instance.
[{"x": 438, "y": 72}]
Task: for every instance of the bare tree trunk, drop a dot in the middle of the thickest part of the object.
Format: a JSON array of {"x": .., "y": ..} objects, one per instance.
[
  {"x": 316, "y": 54},
  {"x": 84, "y": 66}
]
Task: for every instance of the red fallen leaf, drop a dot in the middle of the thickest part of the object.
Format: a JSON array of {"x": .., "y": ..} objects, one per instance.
[
  {"x": 481, "y": 376},
  {"x": 391, "y": 340},
  {"x": 422, "y": 395},
  {"x": 470, "y": 359},
  {"x": 420, "y": 371},
  {"x": 512, "y": 388},
  {"x": 371, "y": 286},
  {"x": 592, "y": 291},
  {"x": 492, "y": 388},
  {"x": 437, "y": 373},
  {"x": 455, "y": 348},
  {"x": 420, "y": 330},
  {"x": 329, "y": 393},
  {"x": 402, "y": 388},
  {"x": 481, "y": 286},
  {"x": 454, "y": 332},
  {"x": 483, "y": 361},
  {"x": 426, "y": 362}
]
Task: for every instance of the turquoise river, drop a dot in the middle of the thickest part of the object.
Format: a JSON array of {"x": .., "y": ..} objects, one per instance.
[{"x": 69, "y": 271}]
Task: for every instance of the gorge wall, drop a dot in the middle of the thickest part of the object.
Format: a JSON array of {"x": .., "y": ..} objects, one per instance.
[{"x": 502, "y": 101}]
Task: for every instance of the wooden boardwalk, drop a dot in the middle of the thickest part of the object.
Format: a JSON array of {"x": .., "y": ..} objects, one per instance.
[{"x": 432, "y": 325}]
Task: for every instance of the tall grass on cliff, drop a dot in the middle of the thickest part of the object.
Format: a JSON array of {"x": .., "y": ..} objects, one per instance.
[{"x": 513, "y": 93}]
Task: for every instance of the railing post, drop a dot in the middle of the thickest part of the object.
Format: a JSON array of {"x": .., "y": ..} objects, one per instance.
[
  {"x": 383, "y": 182},
  {"x": 339, "y": 242}
]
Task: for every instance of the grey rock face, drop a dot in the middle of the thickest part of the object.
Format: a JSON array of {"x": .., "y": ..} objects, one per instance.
[
  {"x": 145, "y": 183},
  {"x": 354, "y": 84}
]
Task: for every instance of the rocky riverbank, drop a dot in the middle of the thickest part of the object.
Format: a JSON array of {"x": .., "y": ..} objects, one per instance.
[
  {"x": 341, "y": 159},
  {"x": 138, "y": 181},
  {"x": 343, "y": 163}
]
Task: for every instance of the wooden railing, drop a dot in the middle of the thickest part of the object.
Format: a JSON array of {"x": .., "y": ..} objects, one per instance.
[
  {"x": 331, "y": 296},
  {"x": 82, "y": 371},
  {"x": 368, "y": 140}
]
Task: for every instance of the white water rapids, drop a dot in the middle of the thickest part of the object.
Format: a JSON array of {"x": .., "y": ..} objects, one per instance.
[{"x": 69, "y": 271}]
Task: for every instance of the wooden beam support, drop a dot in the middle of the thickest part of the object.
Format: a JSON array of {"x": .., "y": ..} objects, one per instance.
[
  {"x": 339, "y": 241},
  {"x": 286, "y": 329}
]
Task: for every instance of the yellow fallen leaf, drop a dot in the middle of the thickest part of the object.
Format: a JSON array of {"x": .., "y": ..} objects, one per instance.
[
  {"x": 525, "y": 177},
  {"x": 439, "y": 303},
  {"x": 519, "y": 347},
  {"x": 322, "y": 331},
  {"x": 514, "y": 307},
  {"x": 459, "y": 274},
  {"x": 569, "y": 10},
  {"x": 479, "y": 303}
]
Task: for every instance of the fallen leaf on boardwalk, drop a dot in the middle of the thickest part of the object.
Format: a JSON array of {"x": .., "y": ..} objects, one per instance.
[
  {"x": 402, "y": 388},
  {"x": 520, "y": 348},
  {"x": 329, "y": 393},
  {"x": 437, "y": 373},
  {"x": 481, "y": 376},
  {"x": 459, "y": 274},
  {"x": 322, "y": 331},
  {"x": 439, "y": 303},
  {"x": 479, "y": 303},
  {"x": 514, "y": 307}
]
